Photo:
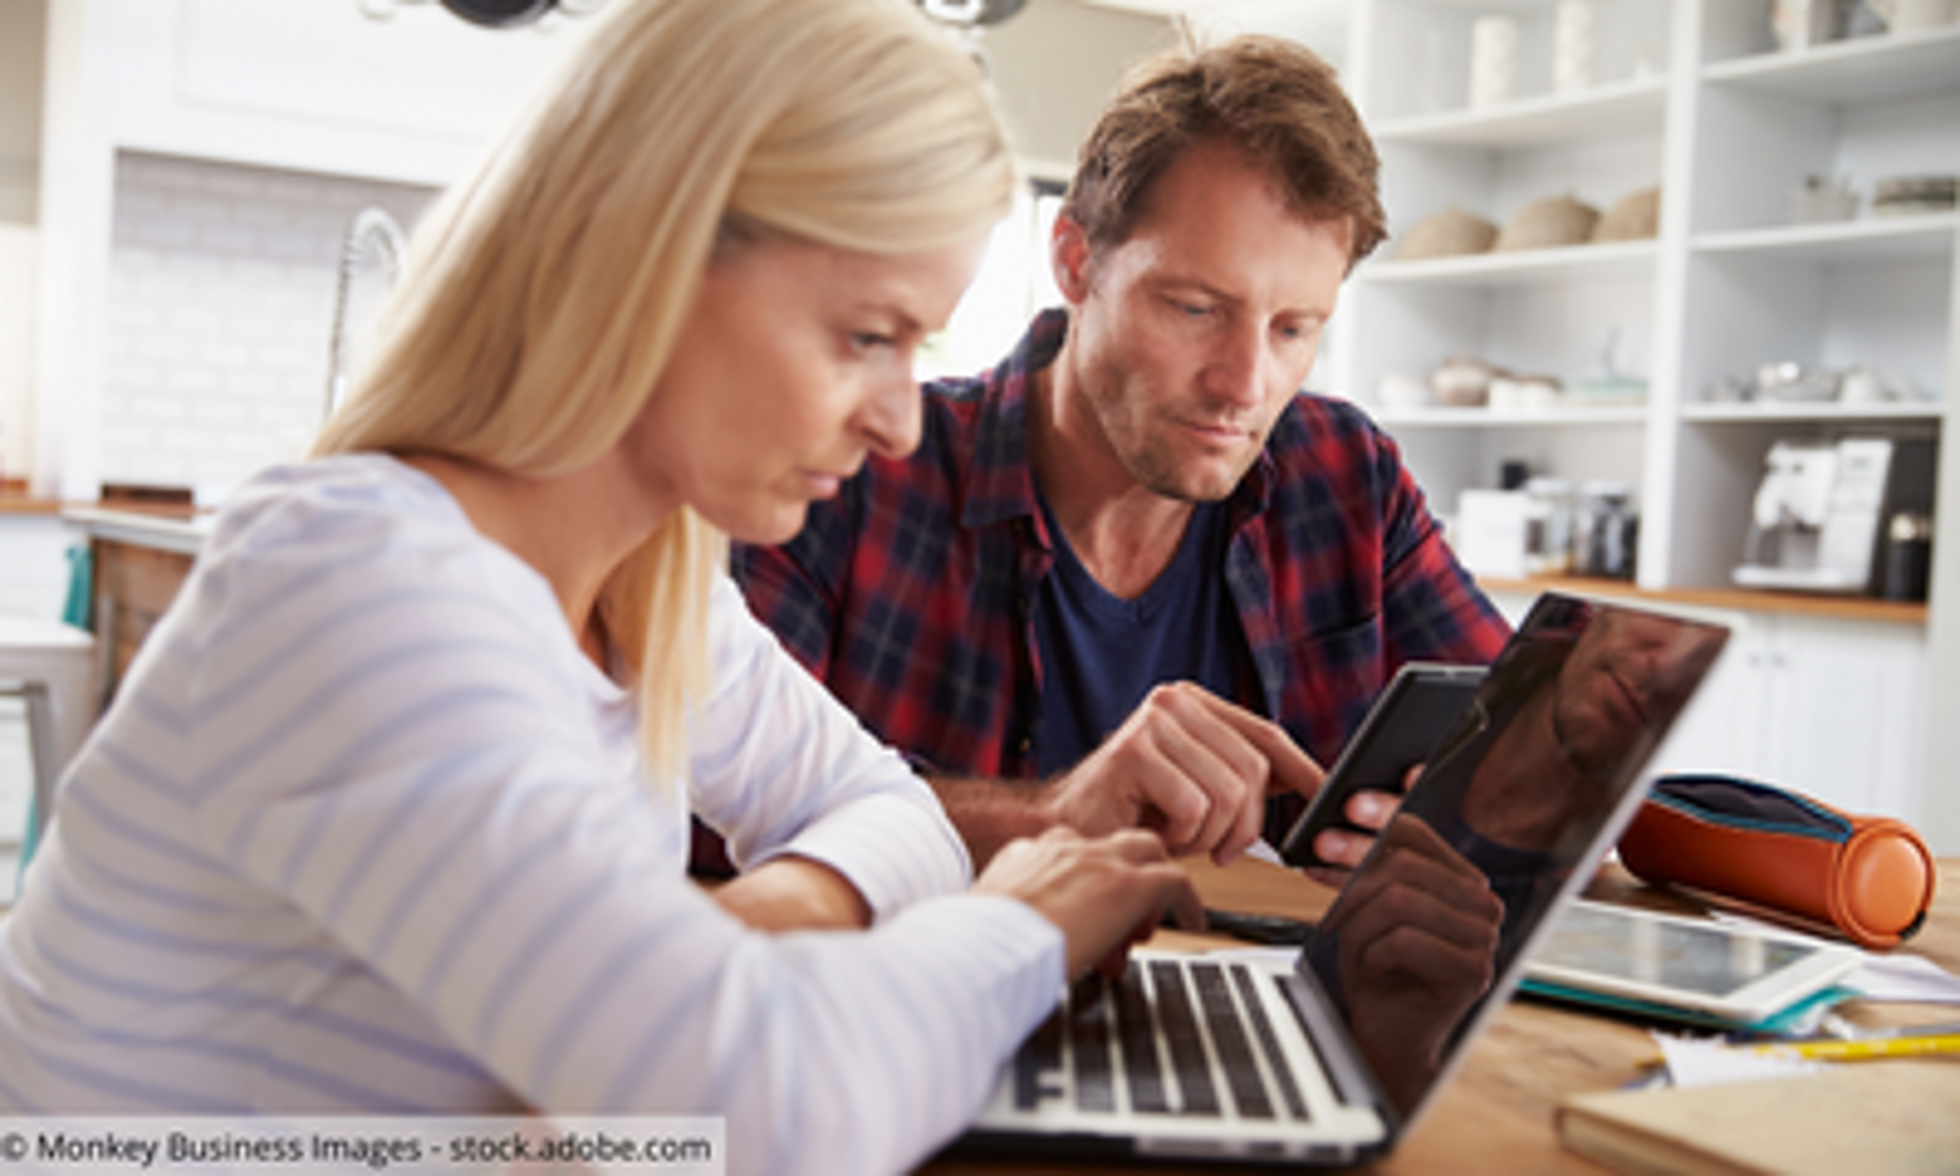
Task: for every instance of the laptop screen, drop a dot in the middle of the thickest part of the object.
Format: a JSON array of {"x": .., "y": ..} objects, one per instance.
[{"x": 1515, "y": 800}]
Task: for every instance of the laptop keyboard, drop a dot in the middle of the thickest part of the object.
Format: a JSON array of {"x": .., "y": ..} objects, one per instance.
[{"x": 1143, "y": 1032}]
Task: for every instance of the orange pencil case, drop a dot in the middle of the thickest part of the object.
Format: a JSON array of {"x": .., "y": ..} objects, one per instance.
[{"x": 1870, "y": 879}]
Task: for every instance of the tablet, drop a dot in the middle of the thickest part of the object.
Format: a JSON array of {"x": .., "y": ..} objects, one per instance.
[
  {"x": 1675, "y": 962},
  {"x": 1406, "y": 724}
]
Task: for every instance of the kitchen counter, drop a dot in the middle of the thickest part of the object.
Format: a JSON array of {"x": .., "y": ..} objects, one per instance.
[
  {"x": 15, "y": 500},
  {"x": 1850, "y": 608},
  {"x": 159, "y": 528},
  {"x": 141, "y": 554}
]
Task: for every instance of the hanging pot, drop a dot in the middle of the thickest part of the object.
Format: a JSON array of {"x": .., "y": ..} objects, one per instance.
[{"x": 499, "y": 14}]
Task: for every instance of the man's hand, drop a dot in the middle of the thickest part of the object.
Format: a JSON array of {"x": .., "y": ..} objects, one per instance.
[
  {"x": 1343, "y": 849},
  {"x": 1098, "y": 891},
  {"x": 1191, "y": 766}
]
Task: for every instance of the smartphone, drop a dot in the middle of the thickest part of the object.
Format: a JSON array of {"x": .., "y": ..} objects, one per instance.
[{"x": 1406, "y": 724}]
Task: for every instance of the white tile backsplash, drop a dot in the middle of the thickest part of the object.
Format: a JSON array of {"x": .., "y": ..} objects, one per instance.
[{"x": 220, "y": 311}]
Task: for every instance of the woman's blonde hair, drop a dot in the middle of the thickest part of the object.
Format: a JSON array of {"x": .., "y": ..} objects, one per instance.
[{"x": 541, "y": 299}]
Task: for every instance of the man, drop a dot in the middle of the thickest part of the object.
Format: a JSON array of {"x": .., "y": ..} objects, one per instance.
[{"x": 1132, "y": 572}]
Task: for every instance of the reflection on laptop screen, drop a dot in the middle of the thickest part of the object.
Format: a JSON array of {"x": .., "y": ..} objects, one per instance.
[
  {"x": 1558, "y": 735},
  {"x": 1328, "y": 1058}
]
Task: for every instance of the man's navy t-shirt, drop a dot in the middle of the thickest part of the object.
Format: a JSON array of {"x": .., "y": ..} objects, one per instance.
[{"x": 1100, "y": 654}]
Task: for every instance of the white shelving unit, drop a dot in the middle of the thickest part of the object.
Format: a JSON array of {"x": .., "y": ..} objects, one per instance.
[
  {"x": 1499, "y": 418},
  {"x": 1819, "y": 414},
  {"x": 1695, "y": 97},
  {"x": 1526, "y": 267}
]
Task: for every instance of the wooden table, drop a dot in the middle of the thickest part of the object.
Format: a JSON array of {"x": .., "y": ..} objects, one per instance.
[{"x": 1496, "y": 1113}]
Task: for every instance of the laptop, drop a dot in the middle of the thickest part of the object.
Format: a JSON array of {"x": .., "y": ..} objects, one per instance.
[{"x": 1330, "y": 1057}]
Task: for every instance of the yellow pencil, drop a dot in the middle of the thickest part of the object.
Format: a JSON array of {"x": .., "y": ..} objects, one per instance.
[
  {"x": 1861, "y": 1050},
  {"x": 1864, "y": 1049}
]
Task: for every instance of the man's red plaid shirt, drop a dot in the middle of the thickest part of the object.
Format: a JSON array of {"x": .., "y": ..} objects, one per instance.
[{"x": 911, "y": 594}]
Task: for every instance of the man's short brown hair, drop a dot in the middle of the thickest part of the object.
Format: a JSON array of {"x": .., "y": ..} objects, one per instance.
[{"x": 1271, "y": 98}]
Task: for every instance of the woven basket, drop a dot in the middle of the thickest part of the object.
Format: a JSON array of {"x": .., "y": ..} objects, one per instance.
[
  {"x": 1634, "y": 217},
  {"x": 1548, "y": 224},
  {"x": 1448, "y": 233}
]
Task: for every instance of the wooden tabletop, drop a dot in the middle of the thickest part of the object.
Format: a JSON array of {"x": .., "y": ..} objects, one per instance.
[{"x": 1496, "y": 1113}]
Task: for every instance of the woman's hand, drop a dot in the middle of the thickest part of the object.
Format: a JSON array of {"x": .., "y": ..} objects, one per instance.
[{"x": 1098, "y": 891}]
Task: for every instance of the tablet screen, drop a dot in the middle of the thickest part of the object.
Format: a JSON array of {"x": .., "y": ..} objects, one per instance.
[{"x": 1708, "y": 959}]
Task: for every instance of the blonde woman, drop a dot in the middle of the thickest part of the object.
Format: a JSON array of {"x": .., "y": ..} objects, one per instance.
[{"x": 391, "y": 815}]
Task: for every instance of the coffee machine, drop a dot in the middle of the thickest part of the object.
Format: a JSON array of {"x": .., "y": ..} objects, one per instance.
[{"x": 1820, "y": 518}]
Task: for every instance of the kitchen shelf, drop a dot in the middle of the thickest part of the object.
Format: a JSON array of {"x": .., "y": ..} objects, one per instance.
[
  {"x": 1917, "y": 237},
  {"x": 1728, "y": 134},
  {"x": 1620, "y": 108},
  {"x": 1727, "y": 131},
  {"x": 1867, "y": 69},
  {"x": 1822, "y": 413},
  {"x": 1493, "y": 418},
  {"x": 1524, "y": 266}
]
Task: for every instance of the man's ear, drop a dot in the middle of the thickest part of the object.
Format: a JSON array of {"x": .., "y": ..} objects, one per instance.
[{"x": 1068, "y": 256}]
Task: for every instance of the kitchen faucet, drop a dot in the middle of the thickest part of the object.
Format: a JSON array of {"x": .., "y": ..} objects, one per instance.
[{"x": 370, "y": 226}]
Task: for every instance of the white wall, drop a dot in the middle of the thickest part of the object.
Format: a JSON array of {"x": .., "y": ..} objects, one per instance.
[
  {"x": 19, "y": 283},
  {"x": 1055, "y": 64},
  {"x": 22, "y": 31},
  {"x": 221, "y": 291},
  {"x": 1941, "y": 797},
  {"x": 299, "y": 86}
]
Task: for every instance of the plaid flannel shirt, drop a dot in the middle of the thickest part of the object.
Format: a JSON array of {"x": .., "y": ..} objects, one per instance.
[{"x": 912, "y": 593}]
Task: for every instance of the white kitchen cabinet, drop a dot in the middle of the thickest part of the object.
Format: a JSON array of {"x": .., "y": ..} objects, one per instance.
[
  {"x": 1833, "y": 708},
  {"x": 1694, "y": 96},
  {"x": 34, "y": 565},
  {"x": 1846, "y": 712}
]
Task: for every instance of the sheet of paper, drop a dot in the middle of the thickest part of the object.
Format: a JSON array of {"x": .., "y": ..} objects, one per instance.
[
  {"x": 1695, "y": 1061},
  {"x": 1905, "y": 977},
  {"x": 1261, "y": 850}
]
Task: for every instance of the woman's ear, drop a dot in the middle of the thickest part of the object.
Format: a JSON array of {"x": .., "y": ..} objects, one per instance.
[{"x": 1069, "y": 256}]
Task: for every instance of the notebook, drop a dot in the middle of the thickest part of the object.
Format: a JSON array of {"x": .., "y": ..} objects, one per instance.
[
  {"x": 1892, "y": 1116},
  {"x": 1331, "y": 1057}
]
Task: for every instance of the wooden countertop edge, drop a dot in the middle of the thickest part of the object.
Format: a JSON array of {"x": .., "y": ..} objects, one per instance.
[
  {"x": 1850, "y": 608},
  {"x": 23, "y": 504},
  {"x": 14, "y": 500}
]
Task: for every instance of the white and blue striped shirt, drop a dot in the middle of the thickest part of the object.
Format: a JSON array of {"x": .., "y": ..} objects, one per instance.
[{"x": 365, "y": 832}]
